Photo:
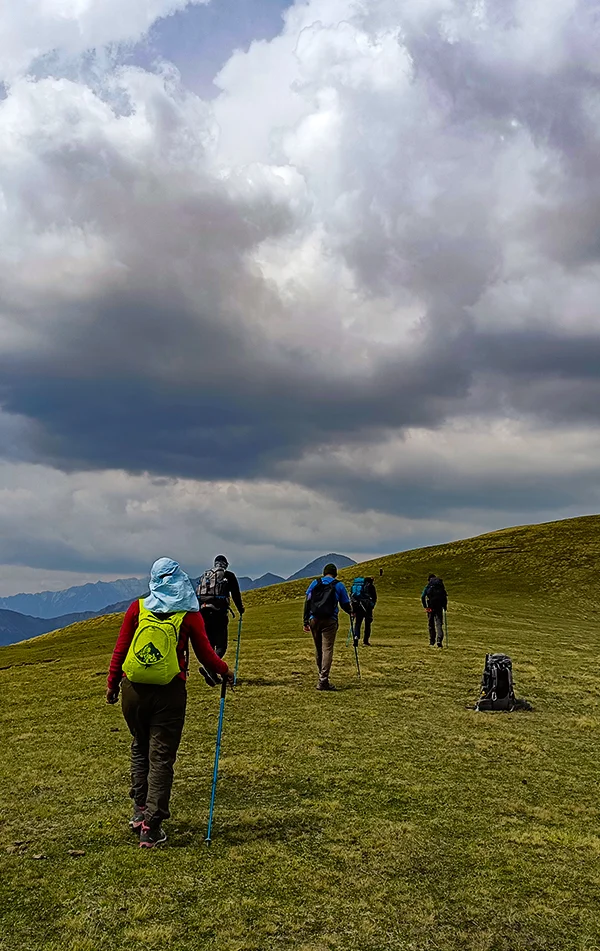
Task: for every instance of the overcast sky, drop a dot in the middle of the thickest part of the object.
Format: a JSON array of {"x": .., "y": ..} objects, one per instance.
[{"x": 282, "y": 279}]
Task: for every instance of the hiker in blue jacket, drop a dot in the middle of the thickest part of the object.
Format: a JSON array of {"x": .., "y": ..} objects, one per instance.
[{"x": 324, "y": 597}]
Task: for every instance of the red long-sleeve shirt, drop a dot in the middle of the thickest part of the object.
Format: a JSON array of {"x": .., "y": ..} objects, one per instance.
[{"x": 192, "y": 632}]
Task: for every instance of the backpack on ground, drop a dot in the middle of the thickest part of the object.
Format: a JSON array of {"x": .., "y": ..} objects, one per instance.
[
  {"x": 152, "y": 655},
  {"x": 497, "y": 692},
  {"x": 323, "y": 600},
  {"x": 213, "y": 586}
]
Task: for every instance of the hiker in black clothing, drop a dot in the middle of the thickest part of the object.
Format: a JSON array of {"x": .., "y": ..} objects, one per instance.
[
  {"x": 216, "y": 588},
  {"x": 435, "y": 601},
  {"x": 363, "y": 596}
]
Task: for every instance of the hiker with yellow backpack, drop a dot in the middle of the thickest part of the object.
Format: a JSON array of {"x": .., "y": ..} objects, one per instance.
[{"x": 149, "y": 668}]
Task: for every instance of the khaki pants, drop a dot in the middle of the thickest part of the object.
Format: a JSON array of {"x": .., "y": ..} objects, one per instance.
[{"x": 323, "y": 631}]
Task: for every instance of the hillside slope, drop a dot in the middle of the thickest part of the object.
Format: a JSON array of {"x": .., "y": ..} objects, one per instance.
[
  {"x": 551, "y": 563},
  {"x": 16, "y": 627},
  {"x": 554, "y": 561}
]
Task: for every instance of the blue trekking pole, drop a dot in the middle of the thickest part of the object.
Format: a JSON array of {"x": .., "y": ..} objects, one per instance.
[
  {"x": 217, "y": 752},
  {"x": 237, "y": 652}
]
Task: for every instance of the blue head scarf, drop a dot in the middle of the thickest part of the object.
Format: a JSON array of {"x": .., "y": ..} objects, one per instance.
[{"x": 170, "y": 589}]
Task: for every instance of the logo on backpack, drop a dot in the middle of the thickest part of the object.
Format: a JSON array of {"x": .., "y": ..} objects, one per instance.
[
  {"x": 148, "y": 654},
  {"x": 214, "y": 586},
  {"x": 323, "y": 600},
  {"x": 152, "y": 656}
]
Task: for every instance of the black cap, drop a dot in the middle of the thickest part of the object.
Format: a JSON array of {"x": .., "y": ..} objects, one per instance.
[{"x": 221, "y": 560}]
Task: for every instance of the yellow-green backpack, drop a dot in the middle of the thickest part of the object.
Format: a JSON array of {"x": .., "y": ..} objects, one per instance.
[{"x": 152, "y": 656}]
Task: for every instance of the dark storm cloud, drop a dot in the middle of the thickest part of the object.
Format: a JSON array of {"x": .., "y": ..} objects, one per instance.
[{"x": 205, "y": 402}]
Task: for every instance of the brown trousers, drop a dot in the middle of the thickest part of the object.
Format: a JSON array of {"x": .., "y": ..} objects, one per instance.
[
  {"x": 323, "y": 631},
  {"x": 155, "y": 717}
]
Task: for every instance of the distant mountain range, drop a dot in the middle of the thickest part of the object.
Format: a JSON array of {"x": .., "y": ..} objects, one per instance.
[
  {"x": 86, "y": 597},
  {"x": 34, "y": 618}
]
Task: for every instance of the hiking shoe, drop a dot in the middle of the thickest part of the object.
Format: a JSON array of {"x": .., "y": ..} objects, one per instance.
[
  {"x": 211, "y": 679},
  {"x": 439, "y": 645},
  {"x": 366, "y": 643},
  {"x": 325, "y": 685},
  {"x": 137, "y": 819},
  {"x": 150, "y": 838}
]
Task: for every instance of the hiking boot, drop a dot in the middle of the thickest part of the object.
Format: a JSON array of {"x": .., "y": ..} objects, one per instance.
[
  {"x": 366, "y": 643},
  {"x": 440, "y": 644},
  {"x": 211, "y": 679},
  {"x": 325, "y": 685},
  {"x": 432, "y": 643},
  {"x": 151, "y": 837},
  {"x": 137, "y": 819}
]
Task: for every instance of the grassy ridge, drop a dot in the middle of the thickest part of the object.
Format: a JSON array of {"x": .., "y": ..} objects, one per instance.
[{"x": 386, "y": 816}]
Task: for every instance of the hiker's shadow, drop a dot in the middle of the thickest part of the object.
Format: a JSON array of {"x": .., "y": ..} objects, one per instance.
[
  {"x": 241, "y": 833},
  {"x": 263, "y": 682}
]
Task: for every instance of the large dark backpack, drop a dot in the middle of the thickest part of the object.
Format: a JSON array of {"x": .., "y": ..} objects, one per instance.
[
  {"x": 497, "y": 692},
  {"x": 435, "y": 593},
  {"x": 214, "y": 587},
  {"x": 323, "y": 600}
]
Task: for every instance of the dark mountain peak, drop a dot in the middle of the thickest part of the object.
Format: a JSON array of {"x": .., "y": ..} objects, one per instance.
[{"x": 316, "y": 567}]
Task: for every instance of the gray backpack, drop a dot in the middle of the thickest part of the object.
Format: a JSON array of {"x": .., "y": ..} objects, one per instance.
[{"x": 214, "y": 588}]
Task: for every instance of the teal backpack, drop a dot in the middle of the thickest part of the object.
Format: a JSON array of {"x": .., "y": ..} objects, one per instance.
[{"x": 357, "y": 591}]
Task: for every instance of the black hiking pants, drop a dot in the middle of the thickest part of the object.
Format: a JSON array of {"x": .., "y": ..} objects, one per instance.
[
  {"x": 362, "y": 613},
  {"x": 155, "y": 716},
  {"x": 216, "y": 623},
  {"x": 435, "y": 621}
]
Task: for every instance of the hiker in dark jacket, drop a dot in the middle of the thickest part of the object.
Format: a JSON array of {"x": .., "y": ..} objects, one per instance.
[
  {"x": 324, "y": 597},
  {"x": 364, "y": 598},
  {"x": 435, "y": 601},
  {"x": 149, "y": 668},
  {"x": 217, "y": 587}
]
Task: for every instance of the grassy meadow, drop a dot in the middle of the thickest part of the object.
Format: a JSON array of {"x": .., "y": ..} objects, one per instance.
[{"x": 385, "y": 817}]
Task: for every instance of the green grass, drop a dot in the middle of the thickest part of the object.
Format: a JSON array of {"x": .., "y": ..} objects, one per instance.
[{"x": 387, "y": 816}]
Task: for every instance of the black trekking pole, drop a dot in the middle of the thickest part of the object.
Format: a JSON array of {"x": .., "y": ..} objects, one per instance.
[
  {"x": 217, "y": 753},
  {"x": 237, "y": 652},
  {"x": 446, "y": 625},
  {"x": 355, "y": 642}
]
